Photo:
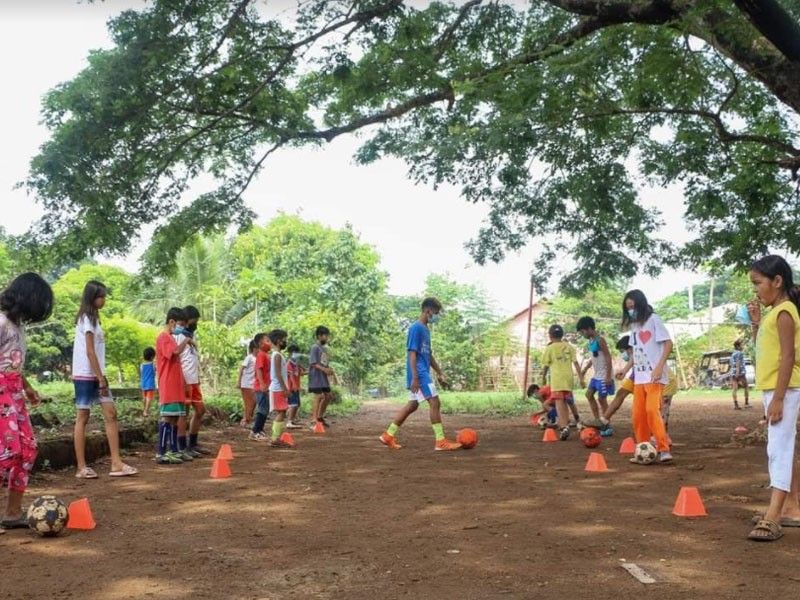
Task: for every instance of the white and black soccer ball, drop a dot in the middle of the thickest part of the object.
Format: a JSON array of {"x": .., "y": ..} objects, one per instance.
[
  {"x": 47, "y": 516},
  {"x": 645, "y": 453},
  {"x": 542, "y": 422}
]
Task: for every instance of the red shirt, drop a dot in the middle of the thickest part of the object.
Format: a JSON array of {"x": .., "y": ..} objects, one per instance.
[
  {"x": 293, "y": 372},
  {"x": 262, "y": 365},
  {"x": 170, "y": 373},
  {"x": 545, "y": 392}
]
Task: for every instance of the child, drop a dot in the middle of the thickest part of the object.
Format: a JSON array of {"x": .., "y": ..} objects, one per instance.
[
  {"x": 778, "y": 376},
  {"x": 27, "y": 299},
  {"x": 295, "y": 372},
  {"x": 147, "y": 377},
  {"x": 261, "y": 384},
  {"x": 190, "y": 363},
  {"x": 278, "y": 388},
  {"x": 91, "y": 384},
  {"x": 545, "y": 396},
  {"x": 651, "y": 347},
  {"x": 602, "y": 383},
  {"x": 247, "y": 375},
  {"x": 625, "y": 375},
  {"x": 738, "y": 376},
  {"x": 419, "y": 362},
  {"x": 319, "y": 376},
  {"x": 559, "y": 359},
  {"x": 171, "y": 391}
]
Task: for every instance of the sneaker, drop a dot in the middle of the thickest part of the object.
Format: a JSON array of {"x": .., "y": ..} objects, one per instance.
[
  {"x": 389, "y": 441},
  {"x": 446, "y": 445},
  {"x": 596, "y": 423},
  {"x": 185, "y": 455},
  {"x": 258, "y": 437},
  {"x": 580, "y": 426},
  {"x": 279, "y": 444},
  {"x": 201, "y": 450},
  {"x": 607, "y": 431},
  {"x": 194, "y": 453},
  {"x": 168, "y": 458},
  {"x": 564, "y": 436},
  {"x": 665, "y": 457},
  {"x": 293, "y": 425},
  {"x": 573, "y": 424}
]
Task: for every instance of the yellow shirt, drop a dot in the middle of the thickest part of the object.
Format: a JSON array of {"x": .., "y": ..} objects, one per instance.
[
  {"x": 559, "y": 356},
  {"x": 768, "y": 348}
]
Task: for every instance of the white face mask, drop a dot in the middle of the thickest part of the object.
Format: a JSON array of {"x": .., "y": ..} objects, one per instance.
[{"x": 434, "y": 319}]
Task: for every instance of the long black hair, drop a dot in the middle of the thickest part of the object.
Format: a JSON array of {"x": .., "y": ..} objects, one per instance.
[
  {"x": 91, "y": 292},
  {"x": 27, "y": 299},
  {"x": 772, "y": 266},
  {"x": 640, "y": 305}
]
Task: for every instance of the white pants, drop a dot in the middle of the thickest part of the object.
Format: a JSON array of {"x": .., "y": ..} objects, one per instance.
[{"x": 781, "y": 440}]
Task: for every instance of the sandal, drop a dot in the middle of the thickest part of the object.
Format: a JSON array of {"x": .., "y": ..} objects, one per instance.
[
  {"x": 785, "y": 521},
  {"x": 20, "y": 522},
  {"x": 766, "y": 531},
  {"x": 86, "y": 473},
  {"x": 126, "y": 471}
]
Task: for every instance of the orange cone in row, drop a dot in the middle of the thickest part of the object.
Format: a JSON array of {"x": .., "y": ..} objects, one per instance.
[
  {"x": 596, "y": 463},
  {"x": 225, "y": 452},
  {"x": 550, "y": 435},
  {"x": 319, "y": 427},
  {"x": 220, "y": 469},
  {"x": 287, "y": 438},
  {"x": 80, "y": 515},
  {"x": 628, "y": 446},
  {"x": 689, "y": 503}
]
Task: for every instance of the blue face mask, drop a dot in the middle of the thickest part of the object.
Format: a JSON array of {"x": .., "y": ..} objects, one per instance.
[
  {"x": 633, "y": 313},
  {"x": 626, "y": 357}
]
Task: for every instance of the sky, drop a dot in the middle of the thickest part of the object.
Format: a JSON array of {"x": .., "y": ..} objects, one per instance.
[{"x": 416, "y": 230}]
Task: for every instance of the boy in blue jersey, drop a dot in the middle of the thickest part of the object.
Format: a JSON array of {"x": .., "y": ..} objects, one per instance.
[
  {"x": 419, "y": 362},
  {"x": 147, "y": 374}
]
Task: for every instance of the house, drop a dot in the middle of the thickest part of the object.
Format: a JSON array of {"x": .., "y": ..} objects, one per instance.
[{"x": 518, "y": 327}]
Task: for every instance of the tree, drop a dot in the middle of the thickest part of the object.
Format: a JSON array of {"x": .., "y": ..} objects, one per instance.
[
  {"x": 126, "y": 338},
  {"x": 68, "y": 291},
  {"x": 553, "y": 115}
]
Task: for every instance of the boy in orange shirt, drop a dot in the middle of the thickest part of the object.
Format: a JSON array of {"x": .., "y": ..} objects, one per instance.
[{"x": 170, "y": 388}]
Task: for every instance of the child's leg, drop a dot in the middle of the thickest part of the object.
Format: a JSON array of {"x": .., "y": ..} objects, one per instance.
[
  {"x": 401, "y": 416},
  {"x": 315, "y": 407},
  {"x": 323, "y": 405},
  {"x": 791, "y": 506},
  {"x": 278, "y": 424},
  {"x": 164, "y": 436},
  {"x": 666, "y": 404},
  {"x": 746, "y": 387},
  {"x": 616, "y": 403},
  {"x": 112, "y": 434},
  {"x": 79, "y": 437},
  {"x": 434, "y": 406},
  {"x": 197, "y": 417},
  {"x": 173, "y": 440},
  {"x": 182, "y": 428},
  {"x": 654, "y": 394},
  {"x": 249, "y": 405},
  {"x": 734, "y": 390},
  {"x": 574, "y": 408},
  {"x": 592, "y": 402},
  {"x": 148, "y": 400},
  {"x": 262, "y": 409},
  {"x": 561, "y": 412},
  {"x": 641, "y": 430},
  {"x": 602, "y": 400},
  {"x": 19, "y": 470}
]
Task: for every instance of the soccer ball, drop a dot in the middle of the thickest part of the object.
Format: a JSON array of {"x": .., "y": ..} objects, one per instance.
[
  {"x": 590, "y": 437},
  {"x": 542, "y": 422},
  {"x": 47, "y": 516},
  {"x": 645, "y": 453},
  {"x": 468, "y": 438}
]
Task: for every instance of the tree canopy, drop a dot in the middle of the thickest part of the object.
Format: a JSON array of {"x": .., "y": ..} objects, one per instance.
[{"x": 556, "y": 114}]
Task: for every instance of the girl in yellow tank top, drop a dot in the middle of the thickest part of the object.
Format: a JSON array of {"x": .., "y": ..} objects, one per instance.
[{"x": 778, "y": 377}]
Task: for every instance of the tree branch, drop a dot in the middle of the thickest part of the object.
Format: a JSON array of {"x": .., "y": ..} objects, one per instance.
[
  {"x": 775, "y": 24},
  {"x": 654, "y": 12}
]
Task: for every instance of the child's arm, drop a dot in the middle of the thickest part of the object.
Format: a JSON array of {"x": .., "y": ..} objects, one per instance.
[
  {"x": 658, "y": 370},
  {"x": 607, "y": 355},
  {"x": 577, "y": 366},
  {"x": 31, "y": 394},
  {"x": 545, "y": 371},
  {"x": 95, "y": 364},
  {"x": 786, "y": 337},
  {"x": 628, "y": 366},
  {"x": 437, "y": 369},
  {"x": 262, "y": 384},
  {"x": 279, "y": 371},
  {"x": 182, "y": 346},
  {"x": 412, "y": 363},
  {"x": 239, "y": 379}
]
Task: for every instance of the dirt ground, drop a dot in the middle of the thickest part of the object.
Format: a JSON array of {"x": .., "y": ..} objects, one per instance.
[{"x": 343, "y": 517}]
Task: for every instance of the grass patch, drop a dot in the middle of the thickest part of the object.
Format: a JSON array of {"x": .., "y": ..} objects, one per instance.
[{"x": 504, "y": 404}]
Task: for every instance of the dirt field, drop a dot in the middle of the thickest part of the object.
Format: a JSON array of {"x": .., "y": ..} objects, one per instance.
[{"x": 343, "y": 517}]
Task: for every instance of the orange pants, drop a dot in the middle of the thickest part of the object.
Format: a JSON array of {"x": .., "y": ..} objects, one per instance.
[{"x": 646, "y": 413}]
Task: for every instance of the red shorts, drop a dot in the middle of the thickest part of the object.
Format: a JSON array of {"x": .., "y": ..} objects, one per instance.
[
  {"x": 193, "y": 394},
  {"x": 148, "y": 394},
  {"x": 278, "y": 401}
]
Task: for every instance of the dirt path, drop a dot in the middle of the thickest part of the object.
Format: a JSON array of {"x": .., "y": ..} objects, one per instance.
[{"x": 343, "y": 517}]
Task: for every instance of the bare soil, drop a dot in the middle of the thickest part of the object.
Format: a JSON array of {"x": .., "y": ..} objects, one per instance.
[{"x": 343, "y": 517}]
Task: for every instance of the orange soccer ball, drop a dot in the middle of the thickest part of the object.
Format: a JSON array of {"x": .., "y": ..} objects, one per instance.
[
  {"x": 591, "y": 437},
  {"x": 468, "y": 438}
]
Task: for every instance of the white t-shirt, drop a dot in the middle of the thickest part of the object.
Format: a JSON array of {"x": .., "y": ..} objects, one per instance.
[
  {"x": 648, "y": 347},
  {"x": 248, "y": 372},
  {"x": 275, "y": 384},
  {"x": 81, "y": 368},
  {"x": 190, "y": 361}
]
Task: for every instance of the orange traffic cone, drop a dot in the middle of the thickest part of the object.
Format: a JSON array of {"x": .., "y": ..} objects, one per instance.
[
  {"x": 319, "y": 427},
  {"x": 80, "y": 515},
  {"x": 225, "y": 452},
  {"x": 689, "y": 503},
  {"x": 628, "y": 446},
  {"x": 287, "y": 438},
  {"x": 220, "y": 469},
  {"x": 550, "y": 435},
  {"x": 596, "y": 463}
]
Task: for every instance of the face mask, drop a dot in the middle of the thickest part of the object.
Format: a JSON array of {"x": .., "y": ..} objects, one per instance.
[
  {"x": 192, "y": 327},
  {"x": 283, "y": 345},
  {"x": 633, "y": 313},
  {"x": 434, "y": 319},
  {"x": 626, "y": 357}
]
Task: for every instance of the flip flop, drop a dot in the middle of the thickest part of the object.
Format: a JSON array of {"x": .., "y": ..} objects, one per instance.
[
  {"x": 18, "y": 523},
  {"x": 86, "y": 473},
  {"x": 785, "y": 521},
  {"x": 126, "y": 471}
]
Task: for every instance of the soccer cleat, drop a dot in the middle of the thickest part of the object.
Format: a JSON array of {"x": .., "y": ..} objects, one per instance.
[
  {"x": 389, "y": 441},
  {"x": 607, "y": 431},
  {"x": 185, "y": 456},
  {"x": 446, "y": 445},
  {"x": 258, "y": 437},
  {"x": 665, "y": 457},
  {"x": 168, "y": 458},
  {"x": 202, "y": 451},
  {"x": 193, "y": 452},
  {"x": 564, "y": 436},
  {"x": 279, "y": 444}
]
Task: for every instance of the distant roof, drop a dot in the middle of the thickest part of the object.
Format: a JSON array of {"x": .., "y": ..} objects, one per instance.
[{"x": 524, "y": 310}]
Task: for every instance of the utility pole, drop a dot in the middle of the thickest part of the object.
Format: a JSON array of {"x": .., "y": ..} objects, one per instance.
[{"x": 528, "y": 343}]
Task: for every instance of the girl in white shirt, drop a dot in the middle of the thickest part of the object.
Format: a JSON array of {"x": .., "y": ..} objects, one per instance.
[{"x": 247, "y": 376}]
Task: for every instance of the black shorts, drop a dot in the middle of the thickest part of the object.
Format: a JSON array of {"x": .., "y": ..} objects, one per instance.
[{"x": 319, "y": 390}]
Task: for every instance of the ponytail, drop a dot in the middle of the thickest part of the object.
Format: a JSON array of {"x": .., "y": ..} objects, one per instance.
[{"x": 794, "y": 295}]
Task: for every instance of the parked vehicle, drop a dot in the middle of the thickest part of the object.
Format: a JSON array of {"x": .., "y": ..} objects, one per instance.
[{"x": 715, "y": 369}]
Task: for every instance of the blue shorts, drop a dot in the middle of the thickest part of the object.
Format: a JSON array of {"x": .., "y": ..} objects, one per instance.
[
  {"x": 262, "y": 403},
  {"x": 426, "y": 392},
  {"x": 294, "y": 398},
  {"x": 87, "y": 393},
  {"x": 603, "y": 389}
]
